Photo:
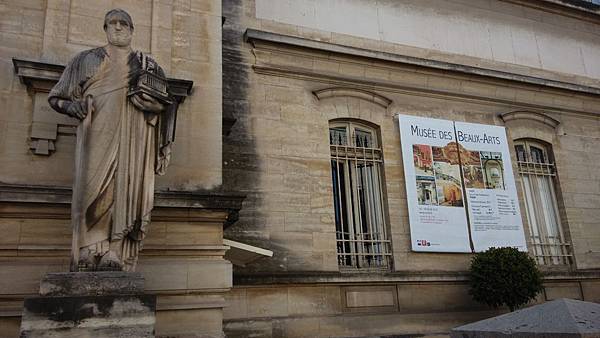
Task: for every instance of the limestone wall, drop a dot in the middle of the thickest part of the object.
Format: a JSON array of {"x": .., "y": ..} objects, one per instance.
[
  {"x": 182, "y": 259},
  {"x": 184, "y": 37},
  {"x": 278, "y": 153},
  {"x": 342, "y": 310}
]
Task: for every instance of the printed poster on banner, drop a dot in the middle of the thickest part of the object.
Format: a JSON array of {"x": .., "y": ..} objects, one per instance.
[
  {"x": 491, "y": 193},
  {"x": 433, "y": 185}
]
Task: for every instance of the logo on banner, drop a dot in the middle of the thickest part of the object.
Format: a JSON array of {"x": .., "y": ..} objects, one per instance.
[{"x": 423, "y": 242}]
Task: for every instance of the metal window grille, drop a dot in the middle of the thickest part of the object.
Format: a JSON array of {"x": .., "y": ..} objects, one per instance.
[
  {"x": 359, "y": 209},
  {"x": 545, "y": 229}
]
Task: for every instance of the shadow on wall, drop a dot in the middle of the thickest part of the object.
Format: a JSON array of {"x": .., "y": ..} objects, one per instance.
[{"x": 241, "y": 164}]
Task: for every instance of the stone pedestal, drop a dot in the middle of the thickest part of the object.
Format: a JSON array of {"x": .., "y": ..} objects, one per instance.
[
  {"x": 90, "y": 304},
  {"x": 182, "y": 261}
]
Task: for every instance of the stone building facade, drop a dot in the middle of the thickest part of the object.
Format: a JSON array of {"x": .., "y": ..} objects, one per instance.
[
  {"x": 252, "y": 163},
  {"x": 183, "y": 260},
  {"x": 294, "y": 70}
]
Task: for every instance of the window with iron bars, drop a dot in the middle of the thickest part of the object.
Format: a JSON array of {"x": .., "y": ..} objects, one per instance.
[
  {"x": 538, "y": 175},
  {"x": 356, "y": 171}
]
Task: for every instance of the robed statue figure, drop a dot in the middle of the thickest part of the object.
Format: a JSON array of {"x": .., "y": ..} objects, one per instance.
[{"x": 123, "y": 139}]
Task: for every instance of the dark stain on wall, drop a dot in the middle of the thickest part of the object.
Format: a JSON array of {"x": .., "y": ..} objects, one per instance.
[{"x": 241, "y": 165}]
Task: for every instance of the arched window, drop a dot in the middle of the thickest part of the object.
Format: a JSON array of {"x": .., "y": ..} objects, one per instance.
[
  {"x": 538, "y": 175},
  {"x": 356, "y": 164}
]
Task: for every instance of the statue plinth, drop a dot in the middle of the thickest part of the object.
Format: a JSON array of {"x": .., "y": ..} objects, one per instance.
[{"x": 90, "y": 304}]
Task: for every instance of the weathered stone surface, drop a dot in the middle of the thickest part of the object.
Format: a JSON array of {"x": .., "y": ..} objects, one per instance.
[
  {"x": 89, "y": 316},
  {"x": 560, "y": 318},
  {"x": 90, "y": 304},
  {"x": 67, "y": 284}
]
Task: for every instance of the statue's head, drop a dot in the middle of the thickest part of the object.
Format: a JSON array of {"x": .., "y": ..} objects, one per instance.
[{"x": 118, "y": 27}]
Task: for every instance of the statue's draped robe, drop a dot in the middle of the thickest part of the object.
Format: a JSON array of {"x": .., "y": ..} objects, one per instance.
[{"x": 119, "y": 156}]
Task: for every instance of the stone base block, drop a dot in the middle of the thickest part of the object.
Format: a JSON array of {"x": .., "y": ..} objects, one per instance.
[
  {"x": 68, "y": 284},
  {"x": 106, "y": 304}
]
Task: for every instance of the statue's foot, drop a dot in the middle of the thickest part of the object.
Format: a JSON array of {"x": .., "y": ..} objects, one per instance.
[
  {"x": 110, "y": 262},
  {"x": 87, "y": 260}
]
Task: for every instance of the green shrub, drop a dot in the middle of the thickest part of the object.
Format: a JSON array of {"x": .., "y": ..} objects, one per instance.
[{"x": 504, "y": 276}]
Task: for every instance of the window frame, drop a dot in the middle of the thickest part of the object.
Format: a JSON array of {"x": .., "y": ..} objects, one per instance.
[
  {"x": 356, "y": 248},
  {"x": 556, "y": 249}
]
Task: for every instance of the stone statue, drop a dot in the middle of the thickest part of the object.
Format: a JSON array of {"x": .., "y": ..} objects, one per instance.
[{"x": 123, "y": 139}]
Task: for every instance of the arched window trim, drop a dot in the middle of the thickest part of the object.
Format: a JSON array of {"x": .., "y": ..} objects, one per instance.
[
  {"x": 361, "y": 94},
  {"x": 531, "y": 116}
]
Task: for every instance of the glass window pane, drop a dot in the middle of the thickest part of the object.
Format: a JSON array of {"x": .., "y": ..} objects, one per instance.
[
  {"x": 521, "y": 153},
  {"x": 537, "y": 155},
  {"x": 363, "y": 138},
  {"x": 338, "y": 136}
]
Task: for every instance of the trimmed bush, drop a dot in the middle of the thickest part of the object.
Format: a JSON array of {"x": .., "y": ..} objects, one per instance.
[{"x": 504, "y": 276}]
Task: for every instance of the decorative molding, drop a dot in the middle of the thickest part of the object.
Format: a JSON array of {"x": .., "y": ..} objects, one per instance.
[
  {"x": 530, "y": 115},
  {"x": 353, "y": 92},
  {"x": 180, "y": 88},
  {"x": 36, "y": 75},
  {"x": 17, "y": 201},
  {"x": 40, "y": 77},
  {"x": 396, "y": 87},
  {"x": 578, "y": 9},
  {"x": 242, "y": 279},
  {"x": 255, "y": 37},
  {"x": 230, "y": 203}
]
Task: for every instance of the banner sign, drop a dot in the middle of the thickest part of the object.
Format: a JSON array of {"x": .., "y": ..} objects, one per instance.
[
  {"x": 459, "y": 185},
  {"x": 438, "y": 220},
  {"x": 490, "y": 187}
]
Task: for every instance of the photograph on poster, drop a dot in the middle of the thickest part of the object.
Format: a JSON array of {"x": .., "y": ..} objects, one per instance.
[
  {"x": 472, "y": 171},
  {"x": 448, "y": 153},
  {"x": 493, "y": 169},
  {"x": 426, "y": 191},
  {"x": 422, "y": 160},
  {"x": 473, "y": 176},
  {"x": 439, "y": 154},
  {"x": 447, "y": 181}
]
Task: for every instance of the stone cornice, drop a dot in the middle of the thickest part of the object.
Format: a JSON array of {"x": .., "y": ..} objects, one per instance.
[
  {"x": 381, "y": 277},
  {"x": 257, "y": 37},
  {"x": 56, "y": 201},
  {"x": 579, "y": 9},
  {"x": 41, "y": 76}
]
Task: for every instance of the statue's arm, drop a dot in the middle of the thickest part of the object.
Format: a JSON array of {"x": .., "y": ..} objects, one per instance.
[
  {"x": 76, "y": 109},
  {"x": 66, "y": 96}
]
